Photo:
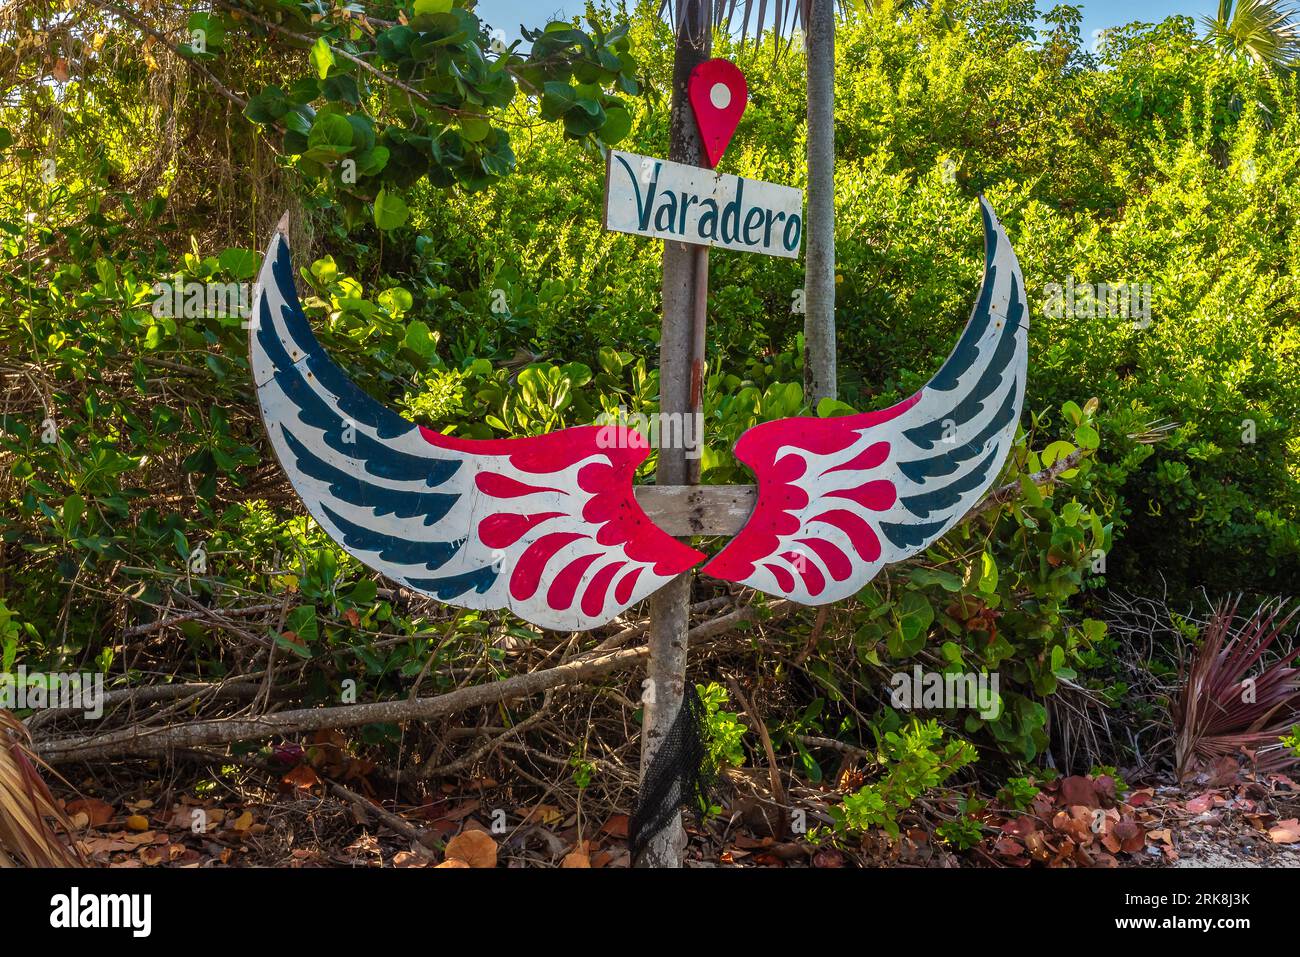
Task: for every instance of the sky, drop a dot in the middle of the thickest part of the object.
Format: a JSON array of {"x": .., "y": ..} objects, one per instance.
[{"x": 1097, "y": 14}]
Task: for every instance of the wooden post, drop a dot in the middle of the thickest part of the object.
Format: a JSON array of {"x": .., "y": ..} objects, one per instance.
[{"x": 681, "y": 391}]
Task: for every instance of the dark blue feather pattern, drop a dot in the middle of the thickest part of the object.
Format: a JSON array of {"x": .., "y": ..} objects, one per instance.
[{"x": 342, "y": 419}]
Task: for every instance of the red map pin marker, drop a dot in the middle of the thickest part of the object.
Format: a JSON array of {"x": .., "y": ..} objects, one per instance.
[{"x": 718, "y": 95}]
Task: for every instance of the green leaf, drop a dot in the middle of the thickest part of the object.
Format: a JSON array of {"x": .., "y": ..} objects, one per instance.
[
  {"x": 1031, "y": 491},
  {"x": 372, "y": 161},
  {"x": 429, "y": 7},
  {"x": 74, "y": 506},
  {"x": 829, "y": 408},
  {"x": 321, "y": 57},
  {"x": 915, "y": 614},
  {"x": 330, "y": 137},
  {"x": 988, "y": 574},
  {"x": 396, "y": 300},
  {"x": 324, "y": 270},
  {"x": 618, "y": 124},
  {"x": 268, "y": 106},
  {"x": 420, "y": 340},
  {"x": 302, "y": 622},
  {"x": 608, "y": 359},
  {"x": 474, "y": 129},
  {"x": 933, "y": 576},
  {"x": 1056, "y": 451},
  {"x": 363, "y": 592},
  {"x": 557, "y": 98},
  {"x": 1086, "y": 437},
  {"x": 390, "y": 210},
  {"x": 240, "y": 263}
]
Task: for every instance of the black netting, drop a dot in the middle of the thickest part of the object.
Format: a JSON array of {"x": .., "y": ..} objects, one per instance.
[{"x": 678, "y": 778}]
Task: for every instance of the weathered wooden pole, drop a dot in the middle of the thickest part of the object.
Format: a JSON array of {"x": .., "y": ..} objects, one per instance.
[
  {"x": 681, "y": 391},
  {"x": 819, "y": 374}
]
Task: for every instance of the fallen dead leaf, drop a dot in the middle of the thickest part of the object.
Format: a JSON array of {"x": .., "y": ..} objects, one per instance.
[
  {"x": 1285, "y": 832},
  {"x": 1020, "y": 827},
  {"x": 828, "y": 857},
  {"x": 1079, "y": 790},
  {"x": 301, "y": 777},
  {"x": 576, "y": 858},
  {"x": 1008, "y": 847},
  {"x": 98, "y": 813},
  {"x": 452, "y": 862},
  {"x": 475, "y": 848},
  {"x": 541, "y": 814},
  {"x": 616, "y": 826},
  {"x": 105, "y": 845},
  {"x": 1131, "y": 837},
  {"x": 1201, "y": 804},
  {"x": 137, "y": 822}
]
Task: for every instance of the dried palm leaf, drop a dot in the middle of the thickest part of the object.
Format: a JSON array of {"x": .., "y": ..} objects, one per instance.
[
  {"x": 26, "y": 806},
  {"x": 1221, "y": 709}
]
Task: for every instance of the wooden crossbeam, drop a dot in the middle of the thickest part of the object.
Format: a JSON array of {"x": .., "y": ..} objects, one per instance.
[{"x": 683, "y": 510}]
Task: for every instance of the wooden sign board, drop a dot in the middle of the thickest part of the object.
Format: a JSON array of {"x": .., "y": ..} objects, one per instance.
[{"x": 672, "y": 201}]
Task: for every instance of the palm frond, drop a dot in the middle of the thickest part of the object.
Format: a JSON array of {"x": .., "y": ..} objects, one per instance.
[
  {"x": 693, "y": 16},
  {"x": 26, "y": 806},
  {"x": 1264, "y": 31},
  {"x": 1220, "y": 709}
]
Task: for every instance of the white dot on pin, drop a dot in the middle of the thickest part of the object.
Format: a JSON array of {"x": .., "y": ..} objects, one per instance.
[{"x": 720, "y": 96}]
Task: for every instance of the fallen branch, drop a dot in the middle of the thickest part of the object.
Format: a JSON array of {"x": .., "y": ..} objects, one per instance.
[
  {"x": 403, "y": 827},
  {"x": 151, "y": 694},
  {"x": 163, "y": 740},
  {"x": 155, "y": 741}
]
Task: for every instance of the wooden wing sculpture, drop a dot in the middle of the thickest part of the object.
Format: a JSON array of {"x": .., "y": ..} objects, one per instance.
[
  {"x": 548, "y": 526},
  {"x": 545, "y": 526},
  {"x": 840, "y": 498}
]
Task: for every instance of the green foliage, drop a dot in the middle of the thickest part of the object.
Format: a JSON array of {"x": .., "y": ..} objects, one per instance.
[
  {"x": 724, "y": 732},
  {"x": 1261, "y": 30},
  {"x": 1121, "y": 786},
  {"x": 1292, "y": 740},
  {"x": 963, "y": 832},
  {"x": 1017, "y": 794},
  {"x": 914, "y": 760},
  {"x": 386, "y": 104}
]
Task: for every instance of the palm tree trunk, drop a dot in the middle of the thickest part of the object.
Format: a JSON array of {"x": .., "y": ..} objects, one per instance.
[{"x": 819, "y": 278}]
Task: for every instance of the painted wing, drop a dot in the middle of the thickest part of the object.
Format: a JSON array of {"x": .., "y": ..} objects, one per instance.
[
  {"x": 840, "y": 498},
  {"x": 545, "y": 526}
]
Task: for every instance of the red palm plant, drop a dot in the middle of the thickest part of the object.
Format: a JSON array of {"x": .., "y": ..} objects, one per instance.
[{"x": 1220, "y": 709}]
